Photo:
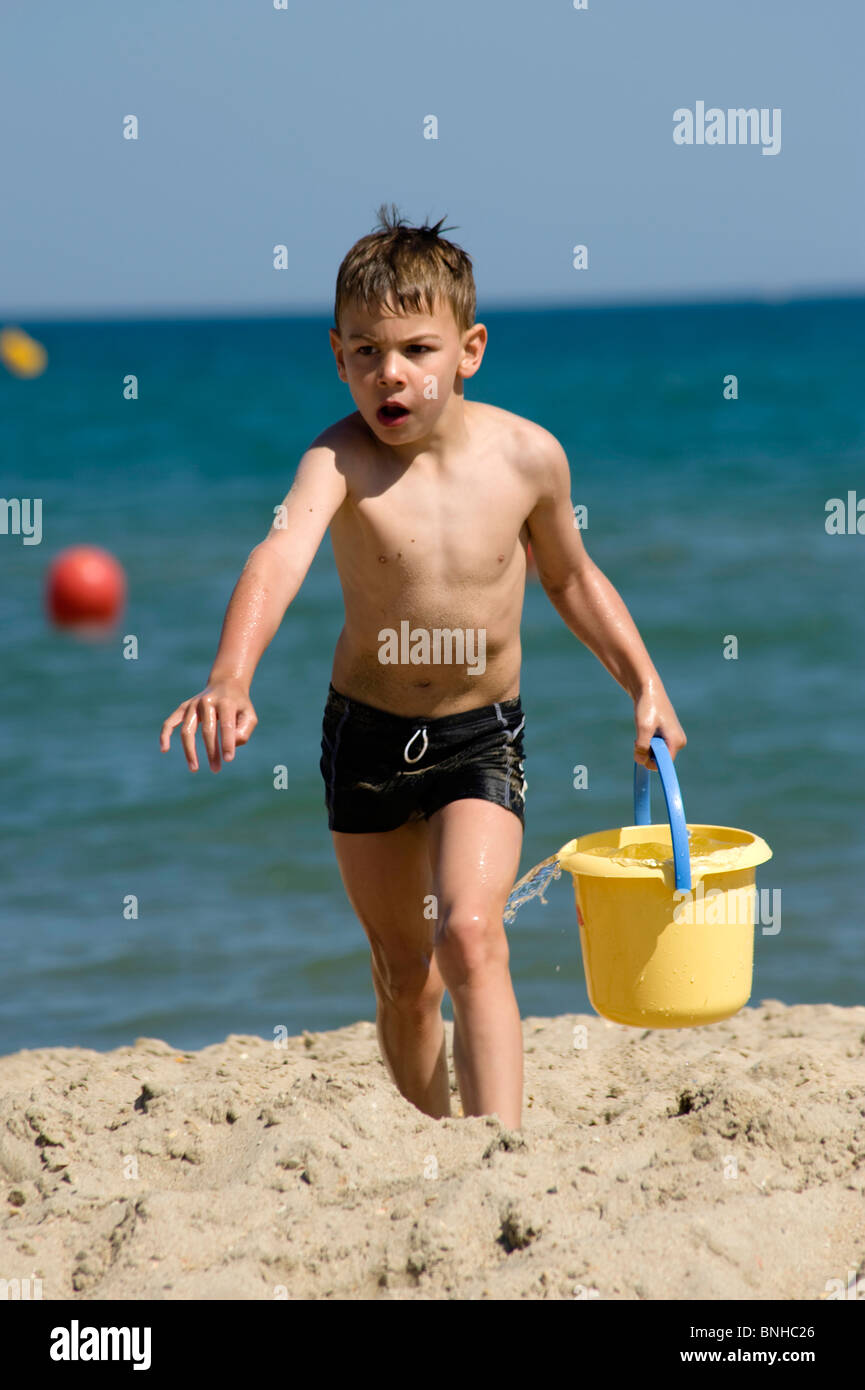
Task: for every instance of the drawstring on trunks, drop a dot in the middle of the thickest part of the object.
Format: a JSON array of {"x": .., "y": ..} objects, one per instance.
[
  {"x": 411, "y": 741},
  {"x": 510, "y": 735}
]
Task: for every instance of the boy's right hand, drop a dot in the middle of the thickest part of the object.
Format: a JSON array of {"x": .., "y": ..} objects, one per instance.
[{"x": 225, "y": 701}]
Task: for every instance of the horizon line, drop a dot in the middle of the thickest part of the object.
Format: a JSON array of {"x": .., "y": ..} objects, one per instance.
[{"x": 193, "y": 313}]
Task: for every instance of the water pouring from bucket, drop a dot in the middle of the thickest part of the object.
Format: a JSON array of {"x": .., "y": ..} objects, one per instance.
[{"x": 665, "y": 911}]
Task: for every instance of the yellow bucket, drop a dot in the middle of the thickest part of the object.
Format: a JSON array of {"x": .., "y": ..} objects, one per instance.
[{"x": 666, "y": 944}]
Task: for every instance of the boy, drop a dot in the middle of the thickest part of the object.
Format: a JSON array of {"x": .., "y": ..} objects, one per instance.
[{"x": 431, "y": 501}]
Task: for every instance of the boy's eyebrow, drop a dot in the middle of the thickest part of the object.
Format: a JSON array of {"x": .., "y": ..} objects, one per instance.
[{"x": 371, "y": 336}]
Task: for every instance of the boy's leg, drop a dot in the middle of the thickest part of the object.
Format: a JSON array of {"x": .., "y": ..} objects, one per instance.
[
  {"x": 386, "y": 876},
  {"x": 475, "y": 850}
]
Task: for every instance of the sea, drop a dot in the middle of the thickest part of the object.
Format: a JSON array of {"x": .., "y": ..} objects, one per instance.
[{"x": 706, "y": 442}]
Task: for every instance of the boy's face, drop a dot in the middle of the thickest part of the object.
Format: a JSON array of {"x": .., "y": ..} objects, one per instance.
[{"x": 417, "y": 360}]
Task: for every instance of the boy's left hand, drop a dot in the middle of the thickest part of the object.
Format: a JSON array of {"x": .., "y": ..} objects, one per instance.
[{"x": 654, "y": 714}]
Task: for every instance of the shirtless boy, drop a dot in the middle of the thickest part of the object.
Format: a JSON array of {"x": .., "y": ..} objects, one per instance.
[{"x": 430, "y": 514}]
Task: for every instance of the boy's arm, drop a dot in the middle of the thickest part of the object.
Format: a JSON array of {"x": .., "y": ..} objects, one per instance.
[
  {"x": 278, "y": 565},
  {"x": 270, "y": 579},
  {"x": 591, "y": 607}
]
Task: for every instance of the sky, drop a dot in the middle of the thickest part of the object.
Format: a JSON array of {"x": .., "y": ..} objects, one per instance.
[{"x": 260, "y": 127}]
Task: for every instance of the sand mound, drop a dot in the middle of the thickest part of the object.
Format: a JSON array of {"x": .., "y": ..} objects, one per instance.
[{"x": 719, "y": 1162}]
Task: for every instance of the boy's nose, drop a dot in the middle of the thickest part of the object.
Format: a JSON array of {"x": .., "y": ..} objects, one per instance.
[{"x": 391, "y": 368}]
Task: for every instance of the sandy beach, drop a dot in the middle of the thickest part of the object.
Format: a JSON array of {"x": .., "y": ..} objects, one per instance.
[{"x": 720, "y": 1162}]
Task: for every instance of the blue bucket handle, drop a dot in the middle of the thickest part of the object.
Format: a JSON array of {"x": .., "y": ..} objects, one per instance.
[{"x": 675, "y": 809}]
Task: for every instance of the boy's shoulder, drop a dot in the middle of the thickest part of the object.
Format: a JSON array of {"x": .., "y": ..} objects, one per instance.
[
  {"x": 531, "y": 445},
  {"x": 351, "y": 429},
  {"x": 534, "y": 446},
  {"x": 509, "y": 418}
]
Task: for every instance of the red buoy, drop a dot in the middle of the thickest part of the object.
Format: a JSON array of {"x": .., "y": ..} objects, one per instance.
[{"x": 86, "y": 586}]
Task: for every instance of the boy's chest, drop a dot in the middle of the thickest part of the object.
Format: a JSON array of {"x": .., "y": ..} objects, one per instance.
[{"x": 462, "y": 526}]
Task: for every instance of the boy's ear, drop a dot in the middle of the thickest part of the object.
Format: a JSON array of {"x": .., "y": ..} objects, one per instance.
[
  {"x": 473, "y": 350},
  {"x": 338, "y": 353}
]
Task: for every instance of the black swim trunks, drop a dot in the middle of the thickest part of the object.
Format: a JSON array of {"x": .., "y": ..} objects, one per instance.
[{"x": 381, "y": 770}]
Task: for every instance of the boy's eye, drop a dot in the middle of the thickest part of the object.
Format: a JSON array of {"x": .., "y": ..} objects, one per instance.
[{"x": 423, "y": 347}]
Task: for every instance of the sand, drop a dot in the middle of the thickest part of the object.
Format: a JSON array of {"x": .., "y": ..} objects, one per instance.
[{"x": 718, "y": 1162}]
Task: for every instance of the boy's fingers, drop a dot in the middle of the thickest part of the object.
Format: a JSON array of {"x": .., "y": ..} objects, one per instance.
[
  {"x": 171, "y": 724},
  {"x": 246, "y": 722},
  {"x": 207, "y": 717},
  {"x": 227, "y": 713},
  {"x": 643, "y": 751},
  {"x": 187, "y": 737},
  {"x": 237, "y": 723}
]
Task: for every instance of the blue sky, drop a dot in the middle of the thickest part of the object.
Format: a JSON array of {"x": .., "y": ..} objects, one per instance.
[{"x": 261, "y": 126}]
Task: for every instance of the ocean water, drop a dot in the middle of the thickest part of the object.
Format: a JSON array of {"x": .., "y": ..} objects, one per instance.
[{"x": 707, "y": 515}]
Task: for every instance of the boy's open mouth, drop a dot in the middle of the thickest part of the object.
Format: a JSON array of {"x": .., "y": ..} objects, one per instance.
[{"x": 391, "y": 414}]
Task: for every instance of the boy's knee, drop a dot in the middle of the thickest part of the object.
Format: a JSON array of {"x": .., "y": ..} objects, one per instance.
[
  {"x": 468, "y": 941},
  {"x": 405, "y": 980}
]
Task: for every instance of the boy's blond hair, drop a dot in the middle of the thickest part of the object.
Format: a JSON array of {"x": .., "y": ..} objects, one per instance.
[{"x": 412, "y": 266}]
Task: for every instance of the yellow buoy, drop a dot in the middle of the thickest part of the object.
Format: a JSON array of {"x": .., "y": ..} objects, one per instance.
[{"x": 22, "y": 354}]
